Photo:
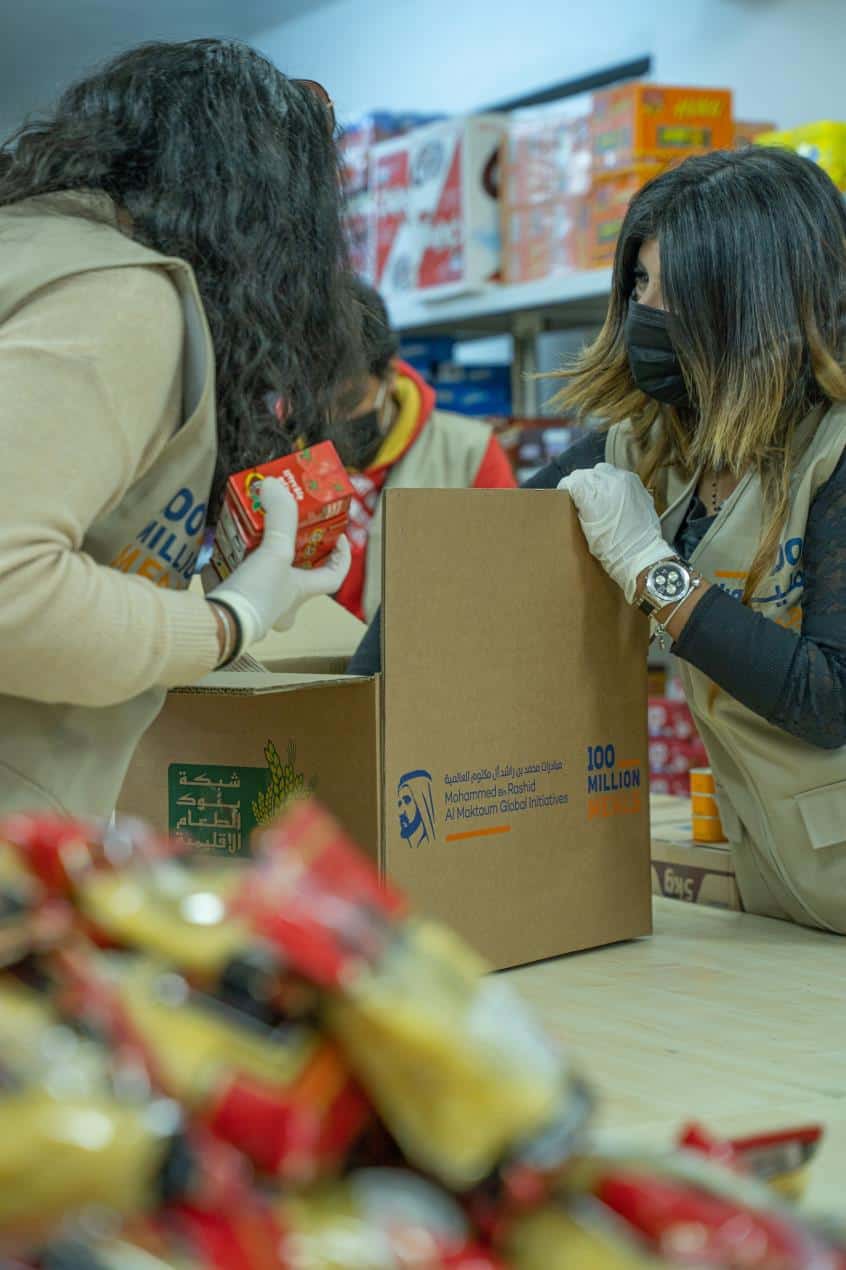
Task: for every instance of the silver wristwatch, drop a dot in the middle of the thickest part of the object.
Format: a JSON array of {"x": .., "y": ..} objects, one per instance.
[{"x": 667, "y": 582}]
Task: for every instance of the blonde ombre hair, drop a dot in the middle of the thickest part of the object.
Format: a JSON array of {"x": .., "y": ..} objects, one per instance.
[{"x": 753, "y": 266}]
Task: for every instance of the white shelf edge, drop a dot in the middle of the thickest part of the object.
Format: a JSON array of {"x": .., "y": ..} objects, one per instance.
[{"x": 497, "y": 299}]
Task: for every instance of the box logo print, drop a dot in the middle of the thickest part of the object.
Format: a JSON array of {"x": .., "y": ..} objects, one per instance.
[
  {"x": 218, "y": 807},
  {"x": 284, "y": 785},
  {"x": 416, "y": 808}
]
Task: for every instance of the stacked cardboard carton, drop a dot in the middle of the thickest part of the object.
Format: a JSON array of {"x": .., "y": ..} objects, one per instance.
[
  {"x": 674, "y": 747},
  {"x": 637, "y": 131},
  {"x": 686, "y": 870},
  {"x": 546, "y": 177},
  {"x": 358, "y": 139},
  {"x": 436, "y": 208},
  {"x": 571, "y": 170}
]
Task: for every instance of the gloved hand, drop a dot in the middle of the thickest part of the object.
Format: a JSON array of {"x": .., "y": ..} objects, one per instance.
[
  {"x": 619, "y": 521},
  {"x": 266, "y": 590}
]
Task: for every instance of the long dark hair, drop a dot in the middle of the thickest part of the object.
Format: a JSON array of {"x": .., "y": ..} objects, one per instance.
[
  {"x": 753, "y": 266},
  {"x": 224, "y": 162}
]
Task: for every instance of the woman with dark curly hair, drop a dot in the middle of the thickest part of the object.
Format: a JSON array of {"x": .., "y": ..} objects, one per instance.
[{"x": 179, "y": 210}]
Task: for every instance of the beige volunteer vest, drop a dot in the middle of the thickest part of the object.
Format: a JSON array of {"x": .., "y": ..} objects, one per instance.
[
  {"x": 447, "y": 455},
  {"x": 70, "y": 757},
  {"x": 782, "y": 801}
]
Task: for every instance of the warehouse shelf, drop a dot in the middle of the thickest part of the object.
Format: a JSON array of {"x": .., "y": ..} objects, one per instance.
[{"x": 570, "y": 300}]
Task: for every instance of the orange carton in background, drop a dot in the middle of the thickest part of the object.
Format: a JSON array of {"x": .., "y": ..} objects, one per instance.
[
  {"x": 546, "y": 154},
  {"x": 747, "y": 131},
  {"x": 609, "y": 202},
  {"x": 646, "y": 122},
  {"x": 321, "y": 488}
]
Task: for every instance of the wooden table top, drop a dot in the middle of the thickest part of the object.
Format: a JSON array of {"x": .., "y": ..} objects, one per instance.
[{"x": 736, "y": 1021}]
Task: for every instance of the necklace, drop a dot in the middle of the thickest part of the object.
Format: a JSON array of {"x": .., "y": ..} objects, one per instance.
[{"x": 716, "y": 501}]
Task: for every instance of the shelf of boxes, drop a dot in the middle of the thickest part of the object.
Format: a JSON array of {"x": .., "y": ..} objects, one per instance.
[{"x": 566, "y": 301}]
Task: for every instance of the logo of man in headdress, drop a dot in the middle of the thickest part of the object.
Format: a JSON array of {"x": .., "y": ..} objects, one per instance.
[{"x": 416, "y": 807}]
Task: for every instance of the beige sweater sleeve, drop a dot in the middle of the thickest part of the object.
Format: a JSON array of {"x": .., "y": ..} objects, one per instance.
[{"x": 90, "y": 393}]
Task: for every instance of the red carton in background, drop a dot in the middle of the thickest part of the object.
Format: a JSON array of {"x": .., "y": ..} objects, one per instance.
[
  {"x": 315, "y": 476},
  {"x": 322, "y": 490},
  {"x": 437, "y": 211}
]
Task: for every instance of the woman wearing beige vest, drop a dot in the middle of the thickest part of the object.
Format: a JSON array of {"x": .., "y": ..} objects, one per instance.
[
  {"x": 721, "y": 369},
  {"x": 178, "y": 211}
]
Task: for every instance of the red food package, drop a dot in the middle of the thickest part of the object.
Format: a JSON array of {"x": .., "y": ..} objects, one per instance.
[
  {"x": 672, "y": 786},
  {"x": 777, "y": 1158},
  {"x": 297, "y": 1133},
  {"x": 59, "y": 849},
  {"x": 316, "y": 898},
  {"x": 670, "y": 719},
  {"x": 688, "y": 1226},
  {"x": 281, "y": 1094},
  {"x": 670, "y": 757},
  {"x": 321, "y": 488},
  {"x": 244, "y": 1238}
]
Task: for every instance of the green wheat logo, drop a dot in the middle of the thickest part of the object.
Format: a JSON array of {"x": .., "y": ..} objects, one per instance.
[{"x": 285, "y": 784}]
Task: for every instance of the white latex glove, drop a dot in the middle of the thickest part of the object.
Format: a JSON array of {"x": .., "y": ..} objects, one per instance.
[
  {"x": 266, "y": 590},
  {"x": 619, "y": 521}
]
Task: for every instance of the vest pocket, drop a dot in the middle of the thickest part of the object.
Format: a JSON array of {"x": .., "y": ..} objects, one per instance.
[{"x": 823, "y": 813}]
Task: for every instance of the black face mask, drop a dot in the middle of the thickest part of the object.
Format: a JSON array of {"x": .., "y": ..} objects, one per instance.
[
  {"x": 358, "y": 441},
  {"x": 652, "y": 356}
]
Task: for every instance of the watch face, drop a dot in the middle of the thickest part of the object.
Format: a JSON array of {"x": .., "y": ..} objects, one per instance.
[{"x": 668, "y": 582}]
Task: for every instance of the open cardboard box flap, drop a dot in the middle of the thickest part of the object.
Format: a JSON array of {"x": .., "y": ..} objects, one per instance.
[
  {"x": 496, "y": 769},
  {"x": 317, "y": 649}
]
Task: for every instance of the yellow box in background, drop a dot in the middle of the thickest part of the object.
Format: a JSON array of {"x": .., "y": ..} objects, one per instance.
[{"x": 824, "y": 142}]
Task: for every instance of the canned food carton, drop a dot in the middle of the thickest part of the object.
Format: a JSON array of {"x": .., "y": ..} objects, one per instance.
[
  {"x": 636, "y": 123},
  {"x": 437, "y": 208}
]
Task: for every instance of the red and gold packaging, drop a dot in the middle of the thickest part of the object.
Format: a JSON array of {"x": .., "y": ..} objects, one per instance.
[
  {"x": 316, "y": 898},
  {"x": 282, "y": 1095},
  {"x": 382, "y": 1219},
  {"x": 318, "y": 482}
]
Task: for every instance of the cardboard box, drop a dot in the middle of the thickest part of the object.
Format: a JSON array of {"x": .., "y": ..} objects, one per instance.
[
  {"x": 500, "y": 783},
  {"x": 824, "y": 142},
  {"x": 636, "y": 123},
  {"x": 436, "y": 191},
  {"x": 670, "y": 720},
  {"x": 608, "y": 203},
  {"x": 670, "y": 756},
  {"x": 360, "y": 230},
  {"x": 359, "y": 136},
  {"x": 674, "y": 786},
  {"x": 747, "y": 131},
  {"x": 684, "y": 870},
  {"x": 543, "y": 240},
  {"x": 547, "y": 153}
]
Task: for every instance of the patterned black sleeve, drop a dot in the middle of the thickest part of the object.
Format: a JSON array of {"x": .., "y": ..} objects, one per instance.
[{"x": 796, "y": 682}]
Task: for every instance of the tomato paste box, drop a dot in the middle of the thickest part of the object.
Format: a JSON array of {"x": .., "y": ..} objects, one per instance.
[
  {"x": 636, "y": 123},
  {"x": 318, "y": 482}
]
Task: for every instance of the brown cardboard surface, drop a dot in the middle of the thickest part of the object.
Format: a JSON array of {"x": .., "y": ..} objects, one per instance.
[
  {"x": 329, "y": 728},
  {"x": 686, "y": 870},
  {"x": 694, "y": 873},
  {"x": 506, "y": 647}
]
